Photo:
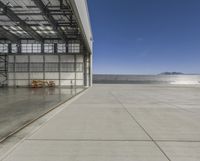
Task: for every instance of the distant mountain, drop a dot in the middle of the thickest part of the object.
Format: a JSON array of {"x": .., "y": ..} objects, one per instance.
[{"x": 171, "y": 73}]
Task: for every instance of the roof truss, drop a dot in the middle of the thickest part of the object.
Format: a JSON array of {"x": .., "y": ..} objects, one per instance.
[
  {"x": 51, "y": 20},
  {"x": 39, "y": 20},
  {"x": 8, "y": 12},
  {"x": 8, "y": 35}
]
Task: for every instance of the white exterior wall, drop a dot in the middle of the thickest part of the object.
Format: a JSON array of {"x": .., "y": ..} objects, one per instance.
[
  {"x": 60, "y": 78},
  {"x": 51, "y": 75},
  {"x": 67, "y": 58},
  {"x": 21, "y": 59},
  {"x": 81, "y": 11},
  {"x": 10, "y": 59},
  {"x": 21, "y": 76},
  {"x": 67, "y": 76},
  {"x": 36, "y": 58},
  {"x": 51, "y": 58},
  {"x": 36, "y": 76}
]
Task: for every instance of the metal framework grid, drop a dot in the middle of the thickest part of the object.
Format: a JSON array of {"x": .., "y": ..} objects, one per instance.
[
  {"x": 3, "y": 69},
  {"x": 40, "y": 27}
]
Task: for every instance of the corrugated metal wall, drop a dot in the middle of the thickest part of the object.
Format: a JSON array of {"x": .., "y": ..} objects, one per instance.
[{"x": 66, "y": 70}]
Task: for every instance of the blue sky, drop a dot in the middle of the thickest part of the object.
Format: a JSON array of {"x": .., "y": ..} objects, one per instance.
[{"x": 145, "y": 36}]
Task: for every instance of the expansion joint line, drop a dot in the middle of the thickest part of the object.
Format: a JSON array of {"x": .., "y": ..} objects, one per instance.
[{"x": 145, "y": 131}]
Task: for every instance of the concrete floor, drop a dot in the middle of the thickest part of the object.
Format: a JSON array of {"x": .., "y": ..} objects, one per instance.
[
  {"x": 19, "y": 106},
  {"x": 120, "y": 123}
]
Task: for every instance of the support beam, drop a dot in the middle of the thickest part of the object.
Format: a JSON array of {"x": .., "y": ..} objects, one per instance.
[
  {"x": 45, "y": 11},
  {"x": 64, "y": 7},
  {"x": 9, "y": 13},
  {"x": 8, "y": 35}
]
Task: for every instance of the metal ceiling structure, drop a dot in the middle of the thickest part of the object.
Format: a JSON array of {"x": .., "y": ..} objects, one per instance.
[{"x": 38, "y": 20}]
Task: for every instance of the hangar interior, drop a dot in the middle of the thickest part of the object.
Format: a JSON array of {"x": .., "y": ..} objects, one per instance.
[{"x": 45, "y": 40}]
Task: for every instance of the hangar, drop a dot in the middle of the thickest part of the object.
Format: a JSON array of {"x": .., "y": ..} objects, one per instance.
[{"x": 45, "y": 40}]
